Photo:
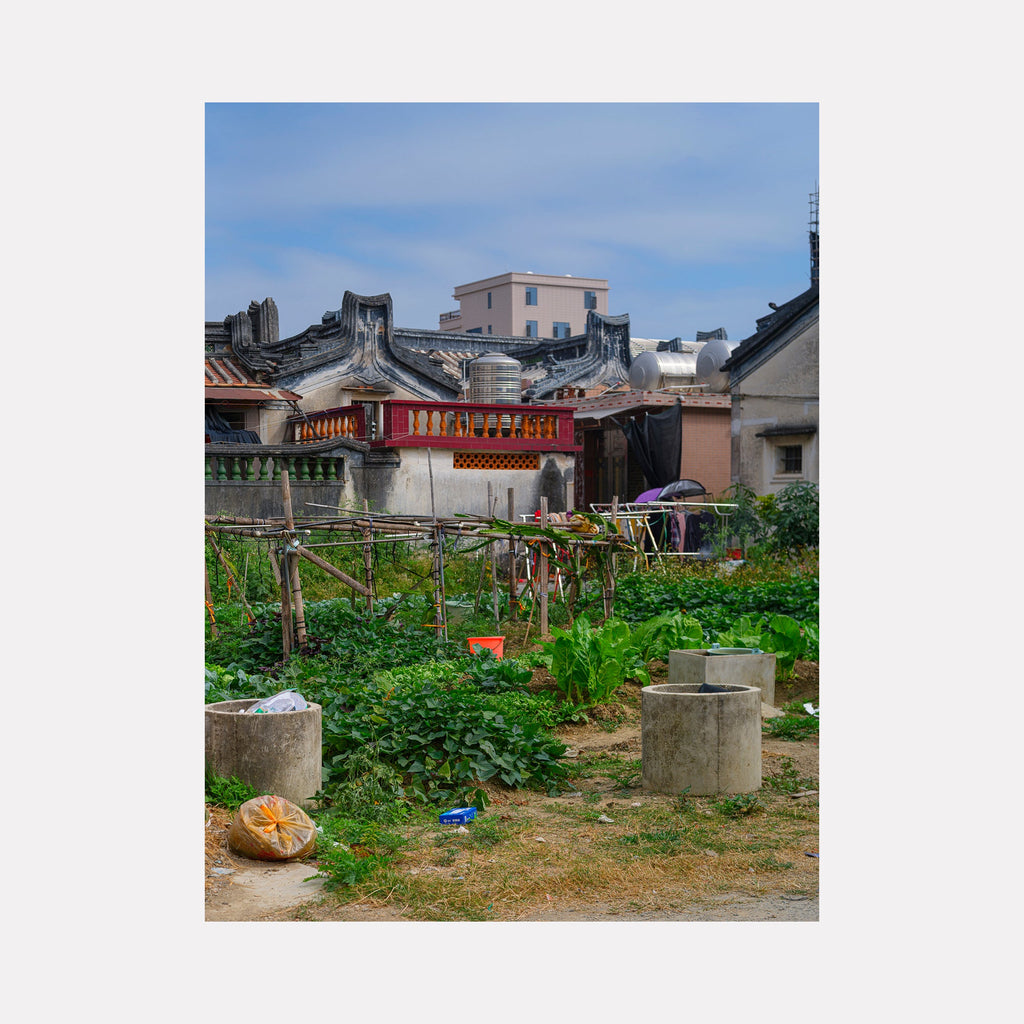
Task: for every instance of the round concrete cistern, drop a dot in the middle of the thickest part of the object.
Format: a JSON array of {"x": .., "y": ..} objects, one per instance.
[
  {"x": 280, "y": 752},
  {"x": 701, "y": 743}
]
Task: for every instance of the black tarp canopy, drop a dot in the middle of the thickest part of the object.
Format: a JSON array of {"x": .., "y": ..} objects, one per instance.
[
  {"x": 655, "y": 441},
  {"x": 218, "y": 429}
]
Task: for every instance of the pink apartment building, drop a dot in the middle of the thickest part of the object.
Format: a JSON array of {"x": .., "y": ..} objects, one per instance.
[{"x": 527, "y": 305}]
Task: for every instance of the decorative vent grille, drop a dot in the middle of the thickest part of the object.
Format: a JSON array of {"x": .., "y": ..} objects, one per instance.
[{"x": 496, "y": 460}]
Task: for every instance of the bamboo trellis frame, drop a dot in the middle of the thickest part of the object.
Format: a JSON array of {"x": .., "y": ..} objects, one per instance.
[{"x": 285, "y": 535}]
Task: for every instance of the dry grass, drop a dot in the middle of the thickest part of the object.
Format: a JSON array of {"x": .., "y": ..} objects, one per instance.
[
  {"x": 218, "y": 822},
  {"x": 528, "y": 853}
]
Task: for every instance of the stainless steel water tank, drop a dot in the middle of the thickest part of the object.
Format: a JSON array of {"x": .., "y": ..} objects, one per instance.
[
  {"x": 494, "y": 378},
  {"x": 652, "y": 371},
  {"x": 709, "y": 364}
]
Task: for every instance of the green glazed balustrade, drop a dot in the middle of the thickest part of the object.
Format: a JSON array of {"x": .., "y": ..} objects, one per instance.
[{"x": 255, "y": 468}]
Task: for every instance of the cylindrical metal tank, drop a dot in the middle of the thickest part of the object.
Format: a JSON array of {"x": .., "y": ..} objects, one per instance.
[
  {"x": 495, "y": 378},
  {"x": 652, "y": 371},
  {"x": 709, "y": 364}
]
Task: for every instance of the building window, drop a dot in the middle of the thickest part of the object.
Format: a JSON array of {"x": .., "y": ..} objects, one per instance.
[
  {"x": 488, "y": 328},
  {"x": 488, "y": 300},
  {"x": 561, "y": 330},
  {"x": 791, "y": 458},
  {"x": 531, "y": 328},
  {"x": 475, "y": 330},
  {"x": 531, "y": 296},
  {"x": 590, "y": 300}
]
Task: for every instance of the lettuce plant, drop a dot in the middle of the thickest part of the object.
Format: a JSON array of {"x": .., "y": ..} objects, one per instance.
[{"x": 590, "y": 664}]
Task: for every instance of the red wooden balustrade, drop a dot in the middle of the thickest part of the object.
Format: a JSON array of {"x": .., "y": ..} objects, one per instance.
[{"x": 473, "y": 426}]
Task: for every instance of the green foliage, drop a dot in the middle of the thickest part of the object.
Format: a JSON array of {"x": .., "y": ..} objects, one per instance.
[
  {"x": 714, "y": 601},
  {"x": 796, "y": 724},
  {"x": 786, "y": 640},
  {"x": 350, "y": 850},
  {"x": 364, "y": 787},
  {"x": 230, "y": 793},
  {"x": 488, "y": 672},
  {"x": 441, "y": 743},
  {"x": 443, "y": 674},
  {"x": 744, "y": 525},
  {"x": 742, "y": 633},
  {"x": 787, "y": 779},
  {"x": 769, "y": 862},
  {"x": 674, "y": 631},
  {"x": 335, "y": 630},
  {"x": 792, "y": 516},
  {"x": 234, "y": 683},
  {"x": 590, "y": 664},
  {"x": 735, "y": 806},
  {"x": 541, "y": 707}
]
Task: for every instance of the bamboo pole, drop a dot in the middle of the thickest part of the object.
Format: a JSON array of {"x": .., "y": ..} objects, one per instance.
[
  {"x": 513, "y": 579},
  {"x": 542, "y": 572},
  {"x": 275, "y": 566},
  {"x": 231, "y": 575},
  {"x": 608, "y": 592},
  {"x": 333, "y": 571},
  {"x": 368, "y": 558},
  {"x": 286, "y": 607},
  {"x": 209, "y": 601},
  {"x": 292, "y": 562},
  {"x": 491, "y": 503}
]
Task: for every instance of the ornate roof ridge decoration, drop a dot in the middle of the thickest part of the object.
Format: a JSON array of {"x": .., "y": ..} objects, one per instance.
[
  {"x": 360, "y": 339},
  {"x": 606, "y": 357}
]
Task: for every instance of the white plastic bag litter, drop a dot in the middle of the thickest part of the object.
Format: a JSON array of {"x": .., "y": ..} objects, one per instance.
[{"x": 286, "y": 700}]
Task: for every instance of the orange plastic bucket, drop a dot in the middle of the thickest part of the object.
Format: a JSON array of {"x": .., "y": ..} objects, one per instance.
[{"x": 495, "y": 643}]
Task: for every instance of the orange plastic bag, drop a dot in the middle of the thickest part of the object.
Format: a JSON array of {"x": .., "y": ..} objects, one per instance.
[{"x": 272, "y": 828}]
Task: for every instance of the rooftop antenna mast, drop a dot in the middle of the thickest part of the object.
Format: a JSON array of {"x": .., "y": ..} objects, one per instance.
[{"x": 813, "y": 232}]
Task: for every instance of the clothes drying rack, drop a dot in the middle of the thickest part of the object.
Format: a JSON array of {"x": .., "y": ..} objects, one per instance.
[{"x": 634, "y": 520}]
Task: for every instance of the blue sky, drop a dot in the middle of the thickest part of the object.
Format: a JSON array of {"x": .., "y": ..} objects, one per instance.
[{"x": 696, "y": 213}]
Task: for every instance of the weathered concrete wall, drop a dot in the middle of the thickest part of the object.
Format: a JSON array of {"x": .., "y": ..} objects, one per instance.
[
  {"x": 781, "y": 392},
  {"x": 405, "y": 489},
  {"x": 262, "y": 499},
  {"x": 402, "y": 487}
]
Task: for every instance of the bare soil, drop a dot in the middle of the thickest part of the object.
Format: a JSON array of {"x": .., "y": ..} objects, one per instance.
[{"x": 239, "y": 889}]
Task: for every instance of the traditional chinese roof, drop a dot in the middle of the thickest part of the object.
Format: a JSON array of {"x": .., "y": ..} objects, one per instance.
[{"x": 226, "y": 381}]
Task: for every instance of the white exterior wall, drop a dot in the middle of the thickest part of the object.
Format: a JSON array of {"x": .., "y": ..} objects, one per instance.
[{"x": 406, "y": 489}]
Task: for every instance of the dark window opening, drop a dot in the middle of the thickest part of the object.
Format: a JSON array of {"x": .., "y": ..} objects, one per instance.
[{"x": 792, "y": 458}]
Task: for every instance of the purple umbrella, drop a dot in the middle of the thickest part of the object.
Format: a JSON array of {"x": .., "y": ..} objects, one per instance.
[{"x": 651, "y": 495}]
